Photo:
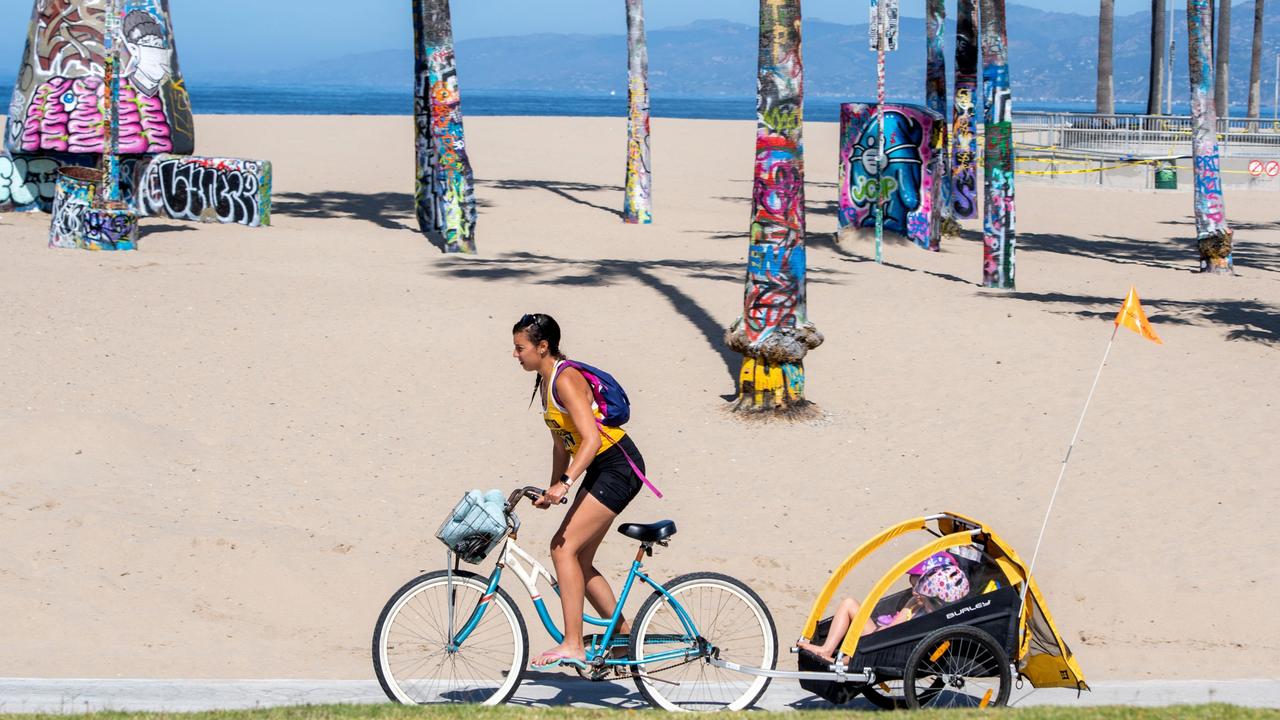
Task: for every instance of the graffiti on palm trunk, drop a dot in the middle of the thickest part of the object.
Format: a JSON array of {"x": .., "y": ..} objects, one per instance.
[
  {"x": 964, "y": 131},
  {"x": 775, "y": 295}
]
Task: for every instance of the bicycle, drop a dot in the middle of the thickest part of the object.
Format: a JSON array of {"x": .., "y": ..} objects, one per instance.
[{"x": 455, "y": 636}]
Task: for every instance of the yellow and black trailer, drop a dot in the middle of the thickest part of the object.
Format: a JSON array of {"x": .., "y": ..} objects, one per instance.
[{"x": 963, "y": 653}]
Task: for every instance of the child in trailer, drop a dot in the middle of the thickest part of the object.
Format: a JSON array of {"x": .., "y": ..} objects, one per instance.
[{"x": 935, "y": 581}]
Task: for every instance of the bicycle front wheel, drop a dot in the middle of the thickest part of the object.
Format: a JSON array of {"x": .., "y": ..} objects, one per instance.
[
  {"x": 728, "y": 619},
  {"x": 413, "y": 653}
]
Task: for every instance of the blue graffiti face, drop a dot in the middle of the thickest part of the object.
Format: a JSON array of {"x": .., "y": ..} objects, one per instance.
[{"x": 899, "y": 183}]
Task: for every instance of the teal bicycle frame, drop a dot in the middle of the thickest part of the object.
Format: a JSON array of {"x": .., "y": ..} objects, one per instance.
[{"x": 513, "y": 557}]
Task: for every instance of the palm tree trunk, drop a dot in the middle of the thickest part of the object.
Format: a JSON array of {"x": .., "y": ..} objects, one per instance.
[
  {"x": 1222, "y": 73},
  {"x": 1106, "y": 97},
  {"x": 998, "y": 216},
  {"x": 1155, "y": 77},
  {"x": 964, "y": 129},
  {"x": 935, "y": 90},
  {"x": 445, "y": 196},
  {"x": 774, "y": 334},
  {"x": 1255, "y": 63},
  {"x": 637, "y": 203},
  {"x": 1213, "y": 236}
]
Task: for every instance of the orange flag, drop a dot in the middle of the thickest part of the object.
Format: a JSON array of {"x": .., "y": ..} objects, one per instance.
[{"x": 1132, "y": 317}]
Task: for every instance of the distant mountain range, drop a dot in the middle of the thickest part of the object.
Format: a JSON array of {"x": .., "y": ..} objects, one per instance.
[{"x": 1052, "y": 58}]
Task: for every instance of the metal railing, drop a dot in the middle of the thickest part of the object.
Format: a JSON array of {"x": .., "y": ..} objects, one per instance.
[{"x": 1141, "y": 136}]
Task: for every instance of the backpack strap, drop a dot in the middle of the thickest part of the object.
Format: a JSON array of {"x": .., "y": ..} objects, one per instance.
[
  {"x": 652, "y": 488},
  {"x": 553, "y": 395}
]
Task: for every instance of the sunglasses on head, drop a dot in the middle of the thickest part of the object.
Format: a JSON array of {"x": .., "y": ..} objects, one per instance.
[{"x": 528, "y": 319}]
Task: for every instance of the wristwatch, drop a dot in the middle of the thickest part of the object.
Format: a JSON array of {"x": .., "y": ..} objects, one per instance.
[{"x": 566, "y": 480}]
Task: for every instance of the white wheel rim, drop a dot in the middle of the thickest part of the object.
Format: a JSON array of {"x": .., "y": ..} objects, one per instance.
[
  {"x": 746, "y": 687},
  {"x": 435, "y": 646}
]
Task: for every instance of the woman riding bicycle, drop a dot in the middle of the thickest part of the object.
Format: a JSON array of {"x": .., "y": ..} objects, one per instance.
[{"x": 583, "y": 448}]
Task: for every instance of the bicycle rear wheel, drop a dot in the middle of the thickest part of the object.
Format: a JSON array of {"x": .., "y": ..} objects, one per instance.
[
  {"x": 411, "y": 643},
  {"x": 728, "y": 618}
]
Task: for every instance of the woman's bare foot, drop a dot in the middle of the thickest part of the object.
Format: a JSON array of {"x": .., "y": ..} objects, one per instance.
[
  {"x": 561, "y": 654},
  {"x": 815, "y": 650}
]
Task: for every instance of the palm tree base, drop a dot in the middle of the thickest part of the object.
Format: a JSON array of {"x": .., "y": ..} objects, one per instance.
[
  {"x": 772, "y": 389},
  {"x": 1215, "y": 253}
]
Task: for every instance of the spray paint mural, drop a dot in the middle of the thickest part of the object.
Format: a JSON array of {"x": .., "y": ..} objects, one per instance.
[
  {"x": 445, "y": 198},
  {"x": 998, "y": 235},
  {"x": 59, "y": 99},
  {"x": 964, "y": 129},
  {"x": 908, "y": 183},
  {"x": 637, "y": 203},
  {"x": 76, "y": 189},
  {"x": 936, "y": 98},
  {"x": 27, "y": 183},
  {"x": 773, "y": 333},
  {"x": 221, "y": 190},
  {"x": 1213, "y": 235}
]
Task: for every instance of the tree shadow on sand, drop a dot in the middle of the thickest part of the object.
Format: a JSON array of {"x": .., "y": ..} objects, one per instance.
[
  {"x": 1248, "y": 320},
  {"x": 559, "y": 188},
  {"x": 529, "y": 267},
  {"x": 387, "y": 210}
]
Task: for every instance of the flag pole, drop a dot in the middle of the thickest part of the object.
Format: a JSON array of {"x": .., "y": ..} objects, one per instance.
[{"x": 1022, "y": 602}]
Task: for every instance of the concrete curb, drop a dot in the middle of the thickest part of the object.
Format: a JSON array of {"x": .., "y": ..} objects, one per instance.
[{"x": 67, "y": 696}]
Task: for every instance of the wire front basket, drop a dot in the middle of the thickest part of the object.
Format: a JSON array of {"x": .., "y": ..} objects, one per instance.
[{"x": 473, "y": 528}]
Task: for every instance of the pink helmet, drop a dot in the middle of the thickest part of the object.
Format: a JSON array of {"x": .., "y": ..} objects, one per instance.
[
  {"x": 936, "y": 560},
  {"x": 947, "y": 583}
]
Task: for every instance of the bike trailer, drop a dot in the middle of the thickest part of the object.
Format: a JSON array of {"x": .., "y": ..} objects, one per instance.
[{"x": 965, "y": 648}]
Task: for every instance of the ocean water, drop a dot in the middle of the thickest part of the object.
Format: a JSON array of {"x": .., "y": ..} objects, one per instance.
[
  {"x": 219, "y": 99},
  {"x": 341, "y": 100}
]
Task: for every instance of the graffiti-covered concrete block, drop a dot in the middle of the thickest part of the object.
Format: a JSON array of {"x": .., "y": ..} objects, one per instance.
[
  {"x": 909, "y": 182},
  {"x": 219, "y": 190},
  {"x": 28, "y": 182},
  {"x": 109, "y": 228},
  {"x": 76, "y": 189}
]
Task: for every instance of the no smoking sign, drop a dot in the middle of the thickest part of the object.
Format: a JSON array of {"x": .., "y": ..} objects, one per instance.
[{"x": 1258, "y": 167}]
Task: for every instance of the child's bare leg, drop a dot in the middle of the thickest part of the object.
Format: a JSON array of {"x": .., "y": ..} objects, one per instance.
[{"x": 840, "y": 622}]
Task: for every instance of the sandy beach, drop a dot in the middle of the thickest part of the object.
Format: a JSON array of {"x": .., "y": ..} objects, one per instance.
[{"x": 220, "y": 454}]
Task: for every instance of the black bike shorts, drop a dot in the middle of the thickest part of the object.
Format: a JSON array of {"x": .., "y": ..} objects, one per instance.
[{"x": 610, "y": 478}]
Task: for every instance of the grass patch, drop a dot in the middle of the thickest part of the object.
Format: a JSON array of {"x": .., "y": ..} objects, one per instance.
[{"x": 472, "y": 712}]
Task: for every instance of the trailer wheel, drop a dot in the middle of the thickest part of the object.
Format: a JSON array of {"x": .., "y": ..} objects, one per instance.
[{"x": 957, "y": 667}]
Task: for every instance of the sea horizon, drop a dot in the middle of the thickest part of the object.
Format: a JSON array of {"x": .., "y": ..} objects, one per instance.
[{"x": 293, "y": 99}]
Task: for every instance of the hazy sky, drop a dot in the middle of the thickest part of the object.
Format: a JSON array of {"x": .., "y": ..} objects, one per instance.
[{"x": 289, "y": 33}]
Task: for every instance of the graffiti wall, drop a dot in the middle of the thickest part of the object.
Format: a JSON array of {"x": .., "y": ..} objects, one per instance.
[
  {"x": 59, "y": 99},
  {"x": 637, "y": 203},
  {"x": 220, "y": 190},
  {"x": 909, "y": 181},
  {"x": 998, "y": 216},
  {"x": 964, "y": 128},
  {"x": 27, "y": 183},
  {"x": 445, "y": 197}
]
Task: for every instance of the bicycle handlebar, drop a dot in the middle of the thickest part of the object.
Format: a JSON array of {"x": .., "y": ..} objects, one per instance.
[{"x": 528, "y": 491}]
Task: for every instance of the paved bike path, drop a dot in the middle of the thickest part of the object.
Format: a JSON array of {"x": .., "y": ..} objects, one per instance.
[{"x": 44, "y": 695}]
